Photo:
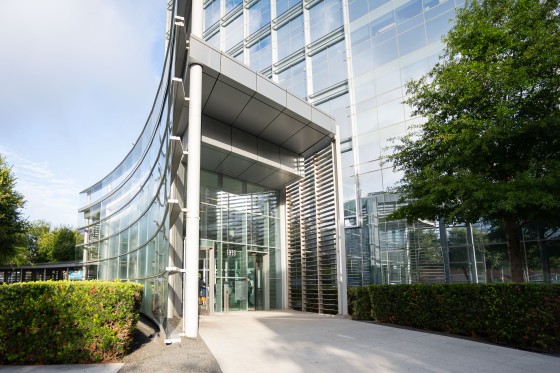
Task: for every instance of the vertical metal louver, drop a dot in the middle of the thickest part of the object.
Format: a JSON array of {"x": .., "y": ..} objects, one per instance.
[{"x": 311, "y": 230}]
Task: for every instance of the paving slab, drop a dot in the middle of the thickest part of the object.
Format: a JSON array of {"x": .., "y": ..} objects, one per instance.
[{"x": 291, "y": 341}]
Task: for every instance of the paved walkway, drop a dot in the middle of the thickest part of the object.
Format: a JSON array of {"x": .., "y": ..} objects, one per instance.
[{"x": 289, "y": 341}]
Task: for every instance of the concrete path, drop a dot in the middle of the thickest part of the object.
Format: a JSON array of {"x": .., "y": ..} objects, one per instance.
[{"x": 292, "y": 342}]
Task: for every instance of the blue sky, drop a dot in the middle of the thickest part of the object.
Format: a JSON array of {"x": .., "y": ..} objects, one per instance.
[{"x": 77, "y": 79}]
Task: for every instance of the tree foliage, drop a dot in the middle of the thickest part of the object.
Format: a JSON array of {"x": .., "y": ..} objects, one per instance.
[
  {"x": 12, "y": 224},
  {"x": 490, "y": 145},
  {"x": 47, "y": 244}
]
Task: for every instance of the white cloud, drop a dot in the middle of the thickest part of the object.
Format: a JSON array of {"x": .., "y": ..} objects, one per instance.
[
  {"x": 48, "y": 196},
  {"x": 77, "y": 80}
]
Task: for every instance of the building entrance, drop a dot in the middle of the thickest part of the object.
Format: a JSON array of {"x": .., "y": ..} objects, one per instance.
[
  {"x": 206, "y": 280},
  {"x": 244, "y": 286},
  {"x": 256, "y": 281}
]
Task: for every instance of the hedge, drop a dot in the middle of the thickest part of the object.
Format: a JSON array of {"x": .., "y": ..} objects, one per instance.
[
  {"x": 66, "y": 322},
  {"x": 520, "y": 315}
]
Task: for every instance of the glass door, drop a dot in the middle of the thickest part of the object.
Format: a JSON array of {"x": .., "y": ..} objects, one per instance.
[
  {"x": 206, "y": 280},
  {"x": 255, "y": 282}
]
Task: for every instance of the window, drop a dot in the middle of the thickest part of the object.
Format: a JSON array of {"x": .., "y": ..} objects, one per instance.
[
  {"x": 329, "y": 67},
  {"x": 259, "y": 15},
  {"x": 230, "y": 4},
  {"x": 325, "y": 17},
  {"x": 233, "y": 33},
  {"x": 260, "y": 55},
  {"x": 214, "y": 40},
  {"x": 339, "y": 108},
  {"x": 290, "y": 37},
  {"x": 283, "y": 5},
  {"x": 211, "y": 13},
  {"x": 294, "y": 80}
]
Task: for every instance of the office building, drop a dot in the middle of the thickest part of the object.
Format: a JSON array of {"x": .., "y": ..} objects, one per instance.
[{"x": 296, "y": 102}]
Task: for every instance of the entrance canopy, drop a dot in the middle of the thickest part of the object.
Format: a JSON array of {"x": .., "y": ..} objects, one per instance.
[{"x": 252, "y": 129}]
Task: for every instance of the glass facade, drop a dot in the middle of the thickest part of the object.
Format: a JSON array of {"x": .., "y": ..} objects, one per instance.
[
  {"x": 352, "y": 58},
  {"x": 240, "y": 222},
  {"x": 125, "y": 217}
]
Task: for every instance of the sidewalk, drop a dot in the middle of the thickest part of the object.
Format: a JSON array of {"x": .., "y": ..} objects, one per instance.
[
  {"x": 298, "y": 342},
  {"x": 289, "y": 341}
]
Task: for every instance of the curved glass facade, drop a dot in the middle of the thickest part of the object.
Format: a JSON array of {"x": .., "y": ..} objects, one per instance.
[{"x": 124, "y": 217}]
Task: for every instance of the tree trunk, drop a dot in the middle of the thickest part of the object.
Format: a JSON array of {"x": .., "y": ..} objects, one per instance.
[{"x": 512, "y": 230}]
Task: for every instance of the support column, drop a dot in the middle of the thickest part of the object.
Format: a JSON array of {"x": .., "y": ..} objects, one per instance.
[
  {"x": 342, "y": 276},
  {"x": 190, "y": 300},
  {"x": 190, "y": 297}
]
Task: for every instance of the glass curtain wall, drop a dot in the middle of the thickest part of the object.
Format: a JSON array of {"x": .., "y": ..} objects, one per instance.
[
  {"x": 238, "y": 220},
  {"x": 124, "y": 217},
  {"x": 353, "y": 58}
]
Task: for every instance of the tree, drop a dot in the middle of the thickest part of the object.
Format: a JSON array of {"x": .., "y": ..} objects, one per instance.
[
  {"x": 490, "y": 145},
  {"x": 57, "y": 245},
  {"x": 12, "y": 224},
  {"x": 65, "y": 245},
  {"x": 35, "y": 231}
]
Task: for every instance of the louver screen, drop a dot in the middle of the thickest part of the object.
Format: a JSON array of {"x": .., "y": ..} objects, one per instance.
[{"x": 311, "y": 211}]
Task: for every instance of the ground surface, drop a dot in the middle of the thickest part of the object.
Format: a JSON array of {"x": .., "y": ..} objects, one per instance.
[{"x": 150, "y": 354}]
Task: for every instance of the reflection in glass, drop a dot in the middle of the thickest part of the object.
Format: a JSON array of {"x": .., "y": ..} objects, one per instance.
[{"x": 259, "y": 15}]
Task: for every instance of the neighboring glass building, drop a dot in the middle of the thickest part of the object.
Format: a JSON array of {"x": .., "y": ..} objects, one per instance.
[{"x": 293, "y": 205}]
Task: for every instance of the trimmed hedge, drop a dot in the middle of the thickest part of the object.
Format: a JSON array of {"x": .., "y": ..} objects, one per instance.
[
  {"x": 519, "y": 315},
  {"x": 64, "y": 322}
]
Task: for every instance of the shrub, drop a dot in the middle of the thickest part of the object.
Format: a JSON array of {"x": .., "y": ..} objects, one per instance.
[
  {"x": 519, "y": 315},
  {"x": 67, "y": 322}
]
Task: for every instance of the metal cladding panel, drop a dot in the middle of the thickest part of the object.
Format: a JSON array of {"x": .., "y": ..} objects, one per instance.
[
  {"x": 256, "y": 116},
  {"x": 211, "y": 158},
  {"x": 225, "y": 102},
  {"x": 233, "y": 166},
  {"x": 281, "y": 129},
  {"x": 238, "y": 75},
  {"x": 244, "y": 143},
  {"x": 257, "y": 172},
  {"x": 304, "y": 139},
  {"x": 241, "y": 98},
  {"x": 298, "y": 109}
]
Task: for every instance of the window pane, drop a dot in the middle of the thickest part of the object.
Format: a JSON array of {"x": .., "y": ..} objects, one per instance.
[
  {"x": 325, "y": 17},
  {"x": 259, "y": 15},
  {"x": 230, "y": 4},
  {"x": 294, "y": 80},
  {"x": 214, "y": 40},
  {"x": 233, "y": 33},
  {"x": 283, "y": 5},
  {"x": 339, "y": 108},
  {"x": 412, "y": 40},
  {"x": 211, "y": 14},
  {"x": 290, "y": 37},
  {"x": 260, "y": 56},
  {"x": 329, "y": 67}
]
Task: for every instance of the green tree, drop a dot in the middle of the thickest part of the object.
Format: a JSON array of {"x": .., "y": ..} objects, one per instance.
[
  {"x": 12, "y": 224},
  {"x": 65, "y": 245},
  {"x": 57, "y": 245},
  {"x": 36, "y": 230},
  {"x": 490, "y": 145}
]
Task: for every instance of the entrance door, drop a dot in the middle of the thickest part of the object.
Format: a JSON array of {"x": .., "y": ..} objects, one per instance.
[
  {"x": 256, "y": 270},
  {"x": 206, "y": 281}
]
